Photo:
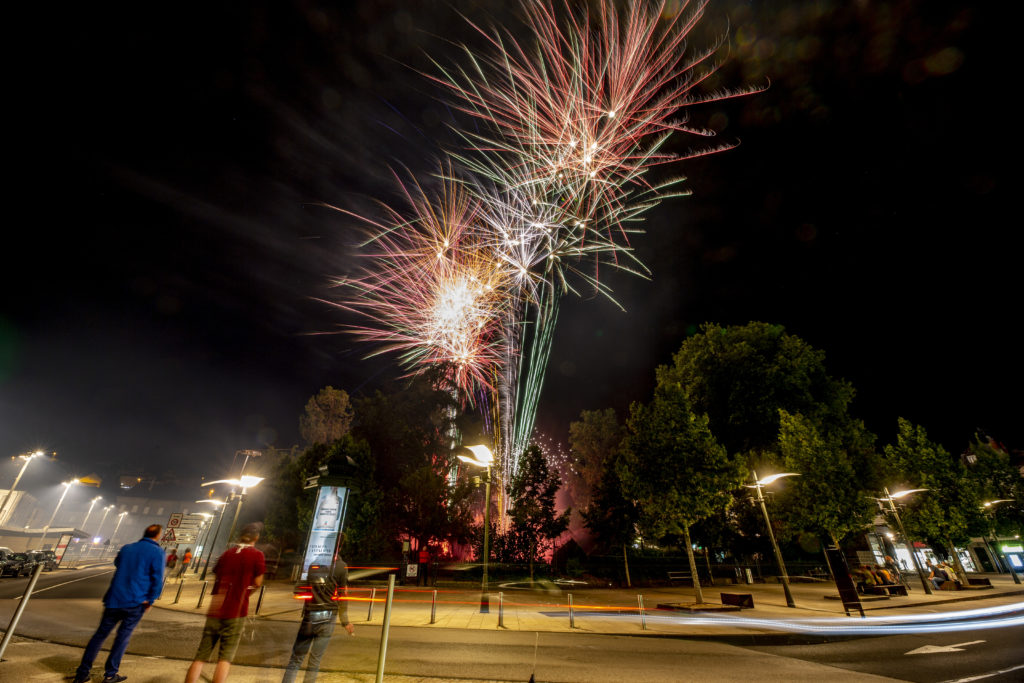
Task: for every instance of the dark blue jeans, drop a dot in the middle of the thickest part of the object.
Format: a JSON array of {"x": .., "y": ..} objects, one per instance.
[
  {"x": 312, "y": 639},
  {"x": 128, "y": 618}
]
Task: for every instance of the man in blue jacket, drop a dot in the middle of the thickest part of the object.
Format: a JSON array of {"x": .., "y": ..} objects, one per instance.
[{"x": 135, "y": 586}]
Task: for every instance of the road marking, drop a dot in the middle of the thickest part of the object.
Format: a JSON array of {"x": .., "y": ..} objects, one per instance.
[
  {"x": 933, "y": 649},
  {"x": 986, "y": 675},
  {"x": 58, "y": 585}
]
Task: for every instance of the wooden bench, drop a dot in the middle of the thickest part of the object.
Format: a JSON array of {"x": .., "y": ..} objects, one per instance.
[
  {"x": 887, "y": 589},
  {"x": 680, "y": 576},
  {"x": 951, "y": 585},
  {"x": 742, "y": 600},
  {"x": 979, "y": 581}
]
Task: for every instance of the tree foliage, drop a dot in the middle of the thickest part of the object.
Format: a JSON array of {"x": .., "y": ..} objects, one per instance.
[
  {"x": 740, "y": 377},
  {"x": 534, "y": 523},
  {"x": 327, "y": 418},
  {"x": 672, "y": 466},
  {"x": 832, "y": 495},
  {"x": 593, "y": 441},
  {"x": 946, "y": 513}
]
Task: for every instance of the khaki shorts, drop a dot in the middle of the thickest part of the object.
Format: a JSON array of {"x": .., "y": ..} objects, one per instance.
[{"x": 227, "y": 632}]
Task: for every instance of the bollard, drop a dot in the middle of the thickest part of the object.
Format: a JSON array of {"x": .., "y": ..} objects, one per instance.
[
  {"x": 433, "y": 608},
  {"x": 20, "y": 608},
  {"x": 383, "y": 651},
  {"x": 572, "y": 619},
  {"x": 501, "y": 610},
  {"x": 369, "y": 610},
  {"x": 259, "y": 600},
  {"x": 202, "y": 594},
  {"x": 162, "y": 585},
  {"x": 177, "y": 596},
  {"x": 643, "y": 615}
]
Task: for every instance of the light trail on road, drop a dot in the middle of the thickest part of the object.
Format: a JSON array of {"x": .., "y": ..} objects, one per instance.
[{"x": 942, "y": 622}]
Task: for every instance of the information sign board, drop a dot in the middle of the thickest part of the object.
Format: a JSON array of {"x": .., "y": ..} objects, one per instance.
[{"x": 328, "y": 518}]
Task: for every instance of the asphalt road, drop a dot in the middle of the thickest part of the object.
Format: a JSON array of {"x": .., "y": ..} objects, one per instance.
[{"x": 66, "y": 608}]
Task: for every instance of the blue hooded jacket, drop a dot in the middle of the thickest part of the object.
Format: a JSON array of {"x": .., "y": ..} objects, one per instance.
[{"x": 139, "y": 576}]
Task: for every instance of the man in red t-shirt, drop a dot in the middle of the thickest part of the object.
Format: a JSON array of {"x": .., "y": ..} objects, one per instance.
[{"x": 239, "y": 571}]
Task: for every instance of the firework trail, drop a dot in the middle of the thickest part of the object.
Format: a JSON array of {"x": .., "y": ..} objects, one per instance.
[{"x": 546, "y": 193}]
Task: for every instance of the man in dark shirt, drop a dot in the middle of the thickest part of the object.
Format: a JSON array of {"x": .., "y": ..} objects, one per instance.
[
  {"x": 323, "y": 603},
  {"x": 135, "y": 586},
  {"x": 239, "y": 571}
]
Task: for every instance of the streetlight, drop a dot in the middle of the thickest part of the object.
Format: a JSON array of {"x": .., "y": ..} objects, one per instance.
[
  {"x": 988, "y": 507},
  {"x": 482, "y": 457},
  {"x": 891, "y": 499},
  {"x": 92, "y": 504},
  {"x": 209, "y": 551},
  {"x": 245, "y": 482},
  {"x": 67, "y": 487},
  {"x": 106, "y": 511},
  {"x": 120, "y": 518},
  {"x": 28, "y": 457},
  {"x": 758, "y": 485}
]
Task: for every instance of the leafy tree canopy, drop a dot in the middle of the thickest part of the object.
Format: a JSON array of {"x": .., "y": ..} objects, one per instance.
[
  {"x": 327, "y": 418},
  {"x": 672, "y": 466},
  {"x": 741, "y": 376}
]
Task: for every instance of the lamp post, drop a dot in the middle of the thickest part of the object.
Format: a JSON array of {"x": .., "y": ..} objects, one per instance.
[
  {"x": 106, "y": 511},
  {"x": 92, "y": 504},
  {"x": 67, "y": 487},
  {"x": 28, "y": 457},
  {"x": 758, "y": 485},
  {"x": 246, "y": 481},
  {"x": 891, "y": 499},
  {"x": 989, "y": 507},
  {"x": 201, "y": 538},
  {"x": 120, "y": 518},
  {"x": 482, "y": 457},
  {"x": 208, "y": 551}
]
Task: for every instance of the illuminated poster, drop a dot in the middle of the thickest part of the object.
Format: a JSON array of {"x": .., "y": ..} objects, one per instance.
[{"x": 328, "y": 515}]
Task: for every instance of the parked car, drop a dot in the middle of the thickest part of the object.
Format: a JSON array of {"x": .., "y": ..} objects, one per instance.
[
  {"x": 5, "y": 557},
  {"x": 17, "y": 564},
  {"x": 47, "y": 558}
]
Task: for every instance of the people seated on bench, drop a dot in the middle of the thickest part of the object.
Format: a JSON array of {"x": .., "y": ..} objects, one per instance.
[
  {"x": 886, "y": 577},
  {"x": 940, "y": 574},
  {"x": 863, "y": 578}
]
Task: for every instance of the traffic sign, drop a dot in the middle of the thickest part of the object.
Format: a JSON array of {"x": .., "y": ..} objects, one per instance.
[
  {"x": 174, "y": 521},
  {"x": 168, "y": 537}
]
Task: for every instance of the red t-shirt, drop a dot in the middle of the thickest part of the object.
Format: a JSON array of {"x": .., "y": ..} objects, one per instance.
[{"x": 236, "y": 570}]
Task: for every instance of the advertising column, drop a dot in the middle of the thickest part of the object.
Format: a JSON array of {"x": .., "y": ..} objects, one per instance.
[{"x": 328, "y": 515}]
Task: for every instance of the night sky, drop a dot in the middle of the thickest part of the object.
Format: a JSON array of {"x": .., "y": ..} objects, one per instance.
[{"x": 165, "y": 247}]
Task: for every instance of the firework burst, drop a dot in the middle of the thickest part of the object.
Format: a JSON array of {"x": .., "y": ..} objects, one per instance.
[{"x": 548, "y": 190}]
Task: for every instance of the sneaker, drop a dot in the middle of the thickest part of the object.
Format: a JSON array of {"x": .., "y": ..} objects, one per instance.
[{"x": 116, "y": 678}]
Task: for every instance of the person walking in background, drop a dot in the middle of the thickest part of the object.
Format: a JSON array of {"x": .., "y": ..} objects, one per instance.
[
  {"x": 186, "y": 560},
  {"x": 318, "y": 615},
  {"x": 239, "y": 571},
  {"x": 172, "y": 560},
  {"x": 422, "y": 578},
  {"x": 136, "y": 585}
]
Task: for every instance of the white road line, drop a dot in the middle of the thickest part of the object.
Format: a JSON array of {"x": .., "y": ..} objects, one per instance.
[
  {"x": 990, "y": 674},
  {"x": 58, "y": 585}
]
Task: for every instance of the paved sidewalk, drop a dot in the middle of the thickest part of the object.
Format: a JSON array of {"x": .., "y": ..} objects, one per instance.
[{"x": 599, "y": 610}]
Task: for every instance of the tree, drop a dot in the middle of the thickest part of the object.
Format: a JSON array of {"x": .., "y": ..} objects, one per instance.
[
  {"x": 534, "y": 523},
  {"x": 831, "y": 496},
  {"x": 951, "y": 506},
  {"x": 327, "y": 418},
  {"x": 674, "y": 469},
  {"x": 593, "y": 441},
  {"x": 740, "y": 377},
  {"x": 611, "y": 516},
  {"x": 410, "y": 431}
]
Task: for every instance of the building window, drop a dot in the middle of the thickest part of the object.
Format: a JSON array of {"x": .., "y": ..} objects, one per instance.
[
  {"x": 135, "y": 508},
  {"x": 159, "y": 511}
]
